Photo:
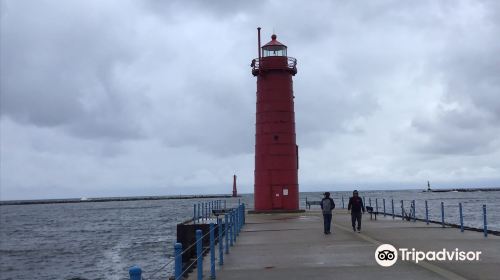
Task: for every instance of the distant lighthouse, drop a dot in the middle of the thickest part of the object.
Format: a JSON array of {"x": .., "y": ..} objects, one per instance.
[
  {"x": 235, "y": 191},
  {"x": 276, "y": 153}
]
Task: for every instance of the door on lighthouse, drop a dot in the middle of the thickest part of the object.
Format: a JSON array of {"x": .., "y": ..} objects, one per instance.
[{"x": 277, "y": 197}]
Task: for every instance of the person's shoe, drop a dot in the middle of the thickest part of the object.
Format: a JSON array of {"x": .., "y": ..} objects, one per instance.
[
  {"x": 359, "y": 230},
  {"x": 354, "y": 229}
]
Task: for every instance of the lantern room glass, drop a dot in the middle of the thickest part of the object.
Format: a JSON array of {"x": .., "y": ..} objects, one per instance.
[{"x": 274, "y": 51}]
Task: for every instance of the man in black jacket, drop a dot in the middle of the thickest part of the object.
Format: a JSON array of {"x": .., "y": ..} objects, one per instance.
[
  {"x": 327, "y": 205},
  {"x": 356, "y": 206}
]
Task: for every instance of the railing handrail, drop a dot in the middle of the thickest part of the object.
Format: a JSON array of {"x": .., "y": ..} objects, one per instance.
[{"x": 256, "y": 63}]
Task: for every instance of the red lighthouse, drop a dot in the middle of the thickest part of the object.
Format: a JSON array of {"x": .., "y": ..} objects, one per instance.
[{"x": 276, "y": 153}]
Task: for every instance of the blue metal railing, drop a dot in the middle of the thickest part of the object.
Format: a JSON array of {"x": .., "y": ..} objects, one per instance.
[
  {"x": 234, "y": 220},
  {"x": 409, "y": 213}
]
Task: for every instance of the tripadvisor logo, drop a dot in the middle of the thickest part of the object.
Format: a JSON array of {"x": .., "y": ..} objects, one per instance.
[{"x": 387, "y": 255}]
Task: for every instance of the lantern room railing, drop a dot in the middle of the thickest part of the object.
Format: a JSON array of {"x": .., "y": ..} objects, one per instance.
[{"x": 257, "y": 65}]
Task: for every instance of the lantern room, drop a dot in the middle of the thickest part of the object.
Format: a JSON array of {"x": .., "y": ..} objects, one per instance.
[
  {"x": 273, "y": 56},
  {"x": 274, "y": 48}
]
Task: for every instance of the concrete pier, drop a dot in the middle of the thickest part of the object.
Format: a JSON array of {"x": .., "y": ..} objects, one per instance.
[{"x": 293, "y": 246}]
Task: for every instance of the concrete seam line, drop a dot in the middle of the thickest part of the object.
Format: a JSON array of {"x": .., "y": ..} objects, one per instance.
[
  {"x": 431, "y": 267},
  {"x": 284, "y": 229}
]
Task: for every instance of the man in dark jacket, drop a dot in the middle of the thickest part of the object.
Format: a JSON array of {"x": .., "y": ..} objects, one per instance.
[
  {"x": 356, "y": 206},
  {"x": 327, "y": 205}
]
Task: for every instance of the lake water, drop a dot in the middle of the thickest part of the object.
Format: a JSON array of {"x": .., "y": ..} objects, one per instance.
[{"x": 102, "y": 240}]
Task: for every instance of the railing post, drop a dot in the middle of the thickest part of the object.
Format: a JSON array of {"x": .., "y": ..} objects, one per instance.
[
  {"x": 233, "y": 227},
  {"x": 199, "y": 257},
  {"x": 221, "y": 242},
  {"x": 199, "y": 211},
  {"x": 244, "y": 213},
  {"x": 135, "y": 273},
  {"x": 383, "y": 201},
  {"x": 426, "y": 213},
  {"x": 224, "y": 204},
  {"x": 461, "y": 217},
  {"x": 376, "y": 205},
  {"x": 203, "y": 211},
  {"x": 237, "y": 216},
  {"x": 237, "y": 220},
  {"x": 241, "y": 214},
  {"x": 212, "y": 251},
  {"x": 392, "y": 203},
  {"x": 236, "y": 223},
  {"x": 370, "y": 201},
  {"x": 402, "y": 210},
  {"x": 233, "y": 233},
  {"x": 414, "y": 210},
  {"x": 226, "y": 234},
  {"x": 194, "y": 213},
  {"x": 178, "y": 260},
  {"x": 442, "y": 214},
  {"x": 485, "y": 222},
  {"x": 343, "y": 206},
  {"x": 230, "y": 229}
]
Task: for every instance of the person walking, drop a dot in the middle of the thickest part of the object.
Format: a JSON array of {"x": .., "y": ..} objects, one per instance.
[
  {"x": 327, "y": 205},
  {"x": 356, "y": 206}
]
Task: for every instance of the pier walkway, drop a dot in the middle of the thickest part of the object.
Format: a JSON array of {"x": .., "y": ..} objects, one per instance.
[{"x": 293, "y": 246}]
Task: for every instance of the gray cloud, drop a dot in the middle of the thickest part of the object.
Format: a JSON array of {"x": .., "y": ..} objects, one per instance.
[
  {"x": 467, "y": 118},
  {"x": 61, "y": 69}
]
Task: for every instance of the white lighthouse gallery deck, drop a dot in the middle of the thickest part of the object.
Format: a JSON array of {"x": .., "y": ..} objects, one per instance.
[{"x": 293, "y": 246}]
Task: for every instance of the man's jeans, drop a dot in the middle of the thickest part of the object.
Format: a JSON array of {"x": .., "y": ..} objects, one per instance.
[
  {"x": 356, "y": 216},
  {"x": 327, "y": 219}
]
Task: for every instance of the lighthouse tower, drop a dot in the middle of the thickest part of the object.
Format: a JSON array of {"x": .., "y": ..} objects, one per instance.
[
  {"x": 235, "y": 191},
  {"x": 276, "y": 153}
]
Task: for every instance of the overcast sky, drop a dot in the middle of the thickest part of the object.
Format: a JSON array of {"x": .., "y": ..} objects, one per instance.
[{"x": 119, "y": 98}]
